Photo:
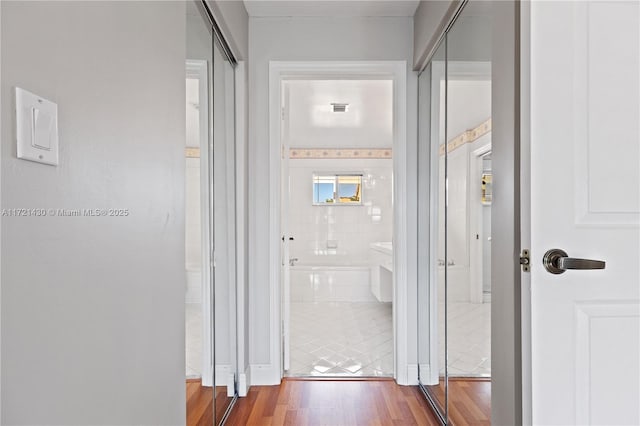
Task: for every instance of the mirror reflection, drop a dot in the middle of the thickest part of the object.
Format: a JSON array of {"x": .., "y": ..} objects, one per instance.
[
  {"x": 223, "y": 159},
  {"x": 455, "y": 210},
  {"x": 210, "y": 309},
  {"x": 198, "y": 303}
]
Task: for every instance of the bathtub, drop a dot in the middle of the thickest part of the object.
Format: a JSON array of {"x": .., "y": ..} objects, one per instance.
[
  {"x": 331, "y": 283},
  {"x": 193, "y": 292}
]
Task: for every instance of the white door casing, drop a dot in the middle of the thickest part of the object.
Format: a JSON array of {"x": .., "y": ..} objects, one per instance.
[
  {"x": 397, "y": 71},
  {"x": 198, "y": 69},
  {"x": 585, "y": 199},
  {"x": 286, "y": 252}
]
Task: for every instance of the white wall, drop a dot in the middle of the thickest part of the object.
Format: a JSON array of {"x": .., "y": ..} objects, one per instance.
[
  {"x": 93, "y": 307},
  {"x": 314, "y": 39},
  {"x": 460, "y": 183},
  {"x": 352, "y": 228},
  {"x": 367, "y": 123}
]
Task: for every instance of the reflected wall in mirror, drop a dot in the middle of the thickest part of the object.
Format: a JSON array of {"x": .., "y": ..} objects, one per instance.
[
  {"x": 210, "y": 334},
  {"x": 431, "y": 228},
  {"x": 455, "y": 208},
  {"x": 198, "y": 307},
  {"x": 223, "y": 161}
]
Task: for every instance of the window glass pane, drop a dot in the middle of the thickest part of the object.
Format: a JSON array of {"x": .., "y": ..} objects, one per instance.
[
  {"x": 349, "y": 189},
  {"x": 323, "y": 189},
  {"x": 337, "y": 189}
]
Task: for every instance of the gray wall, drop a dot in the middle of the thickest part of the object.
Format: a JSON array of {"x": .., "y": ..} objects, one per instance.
[
  {"x": 315, "y": 39},
  {"x": 93, "y": 307},
  {"x": 233, "y": 20},
  {"x": 506, "y": 349},
  {"x": 429, "y": 23}
]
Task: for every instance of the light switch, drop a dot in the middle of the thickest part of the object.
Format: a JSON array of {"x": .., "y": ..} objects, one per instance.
[
  {"x": 37, "y": 128},
  {"x": 41, "y": 129}
]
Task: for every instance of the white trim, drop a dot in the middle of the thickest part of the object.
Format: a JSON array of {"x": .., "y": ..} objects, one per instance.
[
  {"x": 396, "y": 70},
  {"x": 263, "y": 374},
  {"x": 244, "y": 382},
  {"x": 198, "y": 69},
  {"x": 229, "y": 218},
  {"x": 525, "y": 207},
  {"x": 241, "y": 212},
  {"x": 412, "y": 374},
  {"x": 436, "y": 137},
  {"x": 0, "y": 228},
  {"x": 476, "y": 210}
]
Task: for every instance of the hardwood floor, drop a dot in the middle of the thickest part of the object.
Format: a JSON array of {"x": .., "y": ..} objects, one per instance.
[
  {"x": 200, "y": 403},
  {"x": 329, "y": 402},
  {"x": 469, "y": 400}
]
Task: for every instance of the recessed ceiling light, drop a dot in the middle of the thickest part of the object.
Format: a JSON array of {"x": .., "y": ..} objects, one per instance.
[{"x": 339, "y": 107}]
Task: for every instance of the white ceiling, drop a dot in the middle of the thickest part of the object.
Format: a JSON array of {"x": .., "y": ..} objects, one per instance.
[{"x": 352, "y": 8}]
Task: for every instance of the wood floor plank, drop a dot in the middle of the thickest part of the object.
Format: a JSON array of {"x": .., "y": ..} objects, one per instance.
[
  {"x": 199, "y": 404},
  {"x": 348, "y": 403},
  {"x": 469, "y": 400}
]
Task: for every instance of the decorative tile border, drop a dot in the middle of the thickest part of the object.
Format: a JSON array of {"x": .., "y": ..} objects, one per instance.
[
  {"x": 316, "y": 153},
  {"x": 469, "y": 136},
  {"x": 192, "y": 152}
]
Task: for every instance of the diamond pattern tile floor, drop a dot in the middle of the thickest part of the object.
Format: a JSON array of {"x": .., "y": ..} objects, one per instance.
[
  {"x": 468, "y": 338},
  {"x": 341, "y": 339}
]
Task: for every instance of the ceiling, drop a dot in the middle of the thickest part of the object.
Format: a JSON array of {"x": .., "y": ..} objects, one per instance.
[{"x": 335, "y": 8}]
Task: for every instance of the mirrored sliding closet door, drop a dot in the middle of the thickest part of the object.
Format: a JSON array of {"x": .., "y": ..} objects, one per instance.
[
  {"x": 455, "y": 182},
  {"x": 210, "y": 222},
  {"x": 224, "y": 221}
]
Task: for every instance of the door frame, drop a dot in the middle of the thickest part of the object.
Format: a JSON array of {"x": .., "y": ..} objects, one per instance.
[
  {"x": 396, "y": 71},
  {"x": 476, "y": 210},
  {"x": 508, "y": 295},
  {"x": 199, "y": 69}
]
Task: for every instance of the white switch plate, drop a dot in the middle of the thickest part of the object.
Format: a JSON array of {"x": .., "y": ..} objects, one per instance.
[{"x": 37, "y": 128}]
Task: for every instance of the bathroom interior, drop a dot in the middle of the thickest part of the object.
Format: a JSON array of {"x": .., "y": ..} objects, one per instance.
[
  {"x": 338, "y": 219},
  {"x": 455, "y": 191}
]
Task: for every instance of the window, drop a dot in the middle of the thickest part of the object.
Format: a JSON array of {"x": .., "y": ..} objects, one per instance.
[{"x": 338, "y": 189}]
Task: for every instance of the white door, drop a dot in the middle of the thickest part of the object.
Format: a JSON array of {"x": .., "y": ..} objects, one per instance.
[{"x": 585, "y": 199}]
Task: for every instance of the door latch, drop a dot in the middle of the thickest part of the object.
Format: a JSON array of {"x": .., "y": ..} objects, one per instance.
[{"x": 525, "y": 260}]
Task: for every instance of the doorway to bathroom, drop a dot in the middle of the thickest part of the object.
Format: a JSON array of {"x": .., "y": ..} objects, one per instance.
[{"x": 337, "y": 222}]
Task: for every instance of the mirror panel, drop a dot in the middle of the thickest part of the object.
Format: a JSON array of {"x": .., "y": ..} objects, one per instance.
[
  {"x": 210, "y": 223},
  {"x": 432, "y": 231},
  {"x": 198, "y": 232},
  {"x": 468, "y": 281},
  {"x": 223, "y": 161},
  {"x": 454, "y": 210}
]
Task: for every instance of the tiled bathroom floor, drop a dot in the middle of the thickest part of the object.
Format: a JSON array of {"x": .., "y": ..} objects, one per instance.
[
  {"x": 469, "y": 338},
  {"x": 193, "y": 340},
  {"x": 341, "y": 339}
]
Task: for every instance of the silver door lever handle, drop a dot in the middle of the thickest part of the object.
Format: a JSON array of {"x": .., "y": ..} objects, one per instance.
[{"x": 557, "y": 261}]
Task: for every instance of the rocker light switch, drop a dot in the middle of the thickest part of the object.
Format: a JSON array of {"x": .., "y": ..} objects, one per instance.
[
  {"x": 41, "y": 129},
  {"x": 37, "y": 128}
]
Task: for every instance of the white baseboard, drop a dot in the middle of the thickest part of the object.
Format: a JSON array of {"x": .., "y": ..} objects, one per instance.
[
  {"x": 265, "y": 375},
  {"x": 222, "y": 374},
  {"x": 412, "y": 374},
  {"x": 244, "y": 382}
]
